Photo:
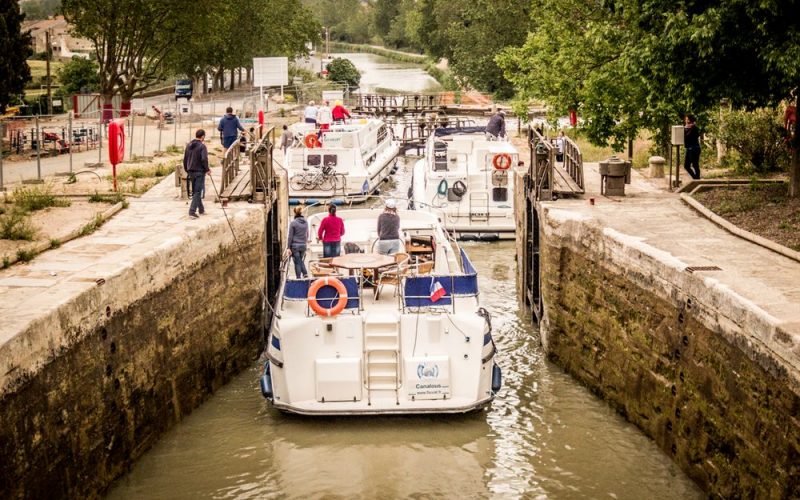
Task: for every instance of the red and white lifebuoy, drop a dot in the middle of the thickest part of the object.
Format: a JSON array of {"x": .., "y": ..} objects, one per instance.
[
  {"x": 501, "y": 161},
  {"x": 315, "y": 288},
  {"x": 312, "y": 141}
]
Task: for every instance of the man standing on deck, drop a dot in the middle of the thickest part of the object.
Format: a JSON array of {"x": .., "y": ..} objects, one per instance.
[
  {"x": 229, "y": 126},
  {"x": 195, "y": 162},
  {"x": 496, "y": 127}
]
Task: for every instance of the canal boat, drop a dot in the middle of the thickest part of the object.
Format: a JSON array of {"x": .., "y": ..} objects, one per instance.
[
  {"x": 370, "y": 334},
  {"x": 343, "y": 164},
  {"x": 469, "y": 180}
]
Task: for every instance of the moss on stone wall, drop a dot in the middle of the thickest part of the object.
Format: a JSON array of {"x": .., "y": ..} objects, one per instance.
[
  {"x": 728, "y": 422},
  {"x": 82, "y": 420}
]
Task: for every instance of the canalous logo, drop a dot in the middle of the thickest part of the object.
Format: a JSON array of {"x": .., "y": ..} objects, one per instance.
[{"x": 424, "y": 371}]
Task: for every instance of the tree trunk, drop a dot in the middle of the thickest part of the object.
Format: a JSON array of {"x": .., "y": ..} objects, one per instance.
[
  {"x": 233, "y": 78},
  {"x": 794, "y": 169},
  {"x": 240, "y": 77},
  {"x": 125, "y": 107},
  {"x": 205, "y": 83},
  {"x": 108, "y": 107},
  {"x": 250, "y": 75}
]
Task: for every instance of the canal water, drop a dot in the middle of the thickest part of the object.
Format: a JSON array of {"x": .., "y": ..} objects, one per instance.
[{"x": 545, "y": 436}]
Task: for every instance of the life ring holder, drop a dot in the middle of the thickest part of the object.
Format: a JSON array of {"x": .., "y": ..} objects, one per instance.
[
  {"x": 501, "y": 161},
  {"x": 312, "y": 141},
  {"x": 315, "y": 288}
]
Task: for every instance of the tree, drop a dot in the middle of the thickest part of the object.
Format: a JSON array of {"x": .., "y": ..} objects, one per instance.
[
  {"x": 343, "y": 71},
  {"x": 14, "y": 70},
  {"x": 132, "y": 39},
  {"x": 79, "y": 75},
  {"x": 470, "y": 34},
  {"x": 41, "y": 9}
]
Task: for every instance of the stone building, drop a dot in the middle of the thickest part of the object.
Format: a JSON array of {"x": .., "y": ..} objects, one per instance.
[{"x": 64, "y": 44}]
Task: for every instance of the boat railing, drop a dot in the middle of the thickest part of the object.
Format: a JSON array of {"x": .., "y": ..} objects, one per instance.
[
  {"x": 418, "y": 290},
  {"x": 297, "y": 290}
]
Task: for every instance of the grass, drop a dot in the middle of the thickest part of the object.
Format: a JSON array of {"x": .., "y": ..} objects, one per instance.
[
  {"x": 30, "y": 199},
  {"x": 39, "y": 68},
  {"x": 173, "y": 149},
  {"x": 24, "y": 255},
  {"x": 158, "y": 170},
  {"x": 16, "y": 226},
  {"x": 92, "y": 225},
  {"x": 112, "y": 198},
  {"x": 55, "y": 243},
  {"x": 6, "y": 263}
]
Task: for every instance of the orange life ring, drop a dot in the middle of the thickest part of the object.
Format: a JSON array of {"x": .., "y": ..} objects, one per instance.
[
  {"x": 312, "y": 296},
  {"x": 502, "y": 161},
  {"x": 312, "y": 141}
]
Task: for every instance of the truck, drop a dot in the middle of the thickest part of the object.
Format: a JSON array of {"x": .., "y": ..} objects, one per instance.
[{"x": 183, "y": 88}]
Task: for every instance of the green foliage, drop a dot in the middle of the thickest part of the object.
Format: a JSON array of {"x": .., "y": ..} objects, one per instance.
[
  {"x": 79, "y": 75},
  {"x": 16, "y": 46},
  {"x": 6, "y": 263},
  {"x": 344, "y": 71},
  {"x": 55, "y": 243},
  {"x": 112, "y": 198},
  {"x": 30, "y": 199},
  {"x": 757, "y": 136},
  {"x": 92, "y": 225},
  {"x": 40, "y": 9},
  {"x": 25, "y": 255},
  {"x": 16, "y": 226},
  {"x": 346, "y": 20}
]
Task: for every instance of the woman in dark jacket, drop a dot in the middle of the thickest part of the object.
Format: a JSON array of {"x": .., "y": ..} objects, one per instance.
[
  {"x": 297, "y": 239},
  {"x": 691, "y": 142}
]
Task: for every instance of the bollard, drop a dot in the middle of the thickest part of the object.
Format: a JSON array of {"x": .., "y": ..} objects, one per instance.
[{"x": 656, "y": 164}]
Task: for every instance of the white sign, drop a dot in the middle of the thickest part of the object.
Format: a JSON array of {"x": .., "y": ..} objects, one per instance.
[
  {"x": 270, "y": 71},
  {"x": 333, "y": 95}
]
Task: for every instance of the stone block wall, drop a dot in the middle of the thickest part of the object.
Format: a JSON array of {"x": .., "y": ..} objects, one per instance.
[
  {"x": 129, "y": 359},
  {"x": 678, "y": 358}
]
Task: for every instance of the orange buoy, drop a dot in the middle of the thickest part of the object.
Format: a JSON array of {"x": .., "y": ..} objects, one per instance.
[
  {"x": 314, "y": 289},
  {"x": 502, "y": 161},
  {"x": 312, "y": 141}
]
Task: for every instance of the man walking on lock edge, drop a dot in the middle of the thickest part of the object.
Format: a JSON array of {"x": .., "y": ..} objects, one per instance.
[
  {"x": 230, "y": 126},
  {"x": 195, "y": 162}
]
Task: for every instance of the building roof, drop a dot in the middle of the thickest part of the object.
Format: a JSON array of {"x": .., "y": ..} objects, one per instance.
[{"x": 46, "y": 24}]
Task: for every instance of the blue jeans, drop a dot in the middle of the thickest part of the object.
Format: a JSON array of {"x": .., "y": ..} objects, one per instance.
[
  {"x": 227, "y": 141},
  {"x": 331, "y": 248},
  {"x": 389, "y": 247},
  {"x": 198, "y": 187},
  {"x": 298, "y": 254}
]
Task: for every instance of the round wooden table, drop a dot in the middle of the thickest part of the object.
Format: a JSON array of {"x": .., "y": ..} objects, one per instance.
[{"x": 354, "y": 261}]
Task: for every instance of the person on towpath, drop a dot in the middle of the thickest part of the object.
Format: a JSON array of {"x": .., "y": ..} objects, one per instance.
[
  {"x": 229, "y": 126},
  {"x": 195, "y": 162},
  {"x": 496, "y": 127}
]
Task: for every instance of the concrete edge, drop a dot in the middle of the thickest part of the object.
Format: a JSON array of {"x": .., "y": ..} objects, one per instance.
[
  {"x": 727, "y": 312},
  {"x": 43, "y": 246},
  {"x": 737, "y": 231}
]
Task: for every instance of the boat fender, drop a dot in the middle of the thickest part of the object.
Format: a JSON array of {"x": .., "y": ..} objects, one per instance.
[
  {"x": 459, "y": 188},
  {"x": 501, "y": 161},
  {"x": 497, "y": 379},
  {"x": 266, "y": 382},
  {"x": 315, "y": 288},
  {"x": 442, "y": 189},
  {"x": 312, "y": 141}
]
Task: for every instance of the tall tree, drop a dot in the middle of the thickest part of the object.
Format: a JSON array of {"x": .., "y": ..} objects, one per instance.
[
  {"x": 14, "y": 70},
  {"x": 132, "y": 38}
]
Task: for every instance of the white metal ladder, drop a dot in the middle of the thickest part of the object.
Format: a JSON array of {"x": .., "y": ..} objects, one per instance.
[
  {"x": 478, "y": 206},
  {"x": 382, "y": 360}
]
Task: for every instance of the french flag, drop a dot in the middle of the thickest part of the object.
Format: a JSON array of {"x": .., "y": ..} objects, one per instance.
[{"x": 437, "y": 291}]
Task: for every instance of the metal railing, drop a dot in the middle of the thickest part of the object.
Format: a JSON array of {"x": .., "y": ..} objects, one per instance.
[
  {"x": 573, "y": 162},
  {"x": 548, "y": 178},
  {"x": 230, "y": 164}
]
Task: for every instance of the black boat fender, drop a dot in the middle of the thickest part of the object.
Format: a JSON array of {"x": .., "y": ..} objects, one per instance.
[
  {"x": 497, "y": 379},
  {"x": 266, "y": 382}
]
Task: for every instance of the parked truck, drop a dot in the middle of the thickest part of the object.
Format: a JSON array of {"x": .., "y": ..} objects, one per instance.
[{"x": 183, "y": 88}]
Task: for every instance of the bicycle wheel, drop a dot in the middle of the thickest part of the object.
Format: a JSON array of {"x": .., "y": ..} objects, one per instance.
[
  {"x": 327, "y": 183},
  {"x": 297, "y": 182}
]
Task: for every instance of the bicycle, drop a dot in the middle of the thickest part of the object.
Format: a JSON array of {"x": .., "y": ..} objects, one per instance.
[{"x": 323, "y": 178}]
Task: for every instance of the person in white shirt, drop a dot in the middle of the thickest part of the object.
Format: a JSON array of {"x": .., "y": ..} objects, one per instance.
[
  {"x": 311, "y": 113},
  {"x": 324, "y": 116},
  {"x": 560, "y": 146}
]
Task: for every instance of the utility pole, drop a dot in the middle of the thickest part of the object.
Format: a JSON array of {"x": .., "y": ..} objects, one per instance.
[
  {"x": 49, "y": 53},
  {"x": 327, "y": 43}
]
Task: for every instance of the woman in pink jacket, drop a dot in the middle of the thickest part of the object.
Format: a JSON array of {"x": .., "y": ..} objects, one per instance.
[{"x": 330, "y": 232}]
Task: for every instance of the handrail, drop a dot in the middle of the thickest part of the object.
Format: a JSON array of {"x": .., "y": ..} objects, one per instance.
[{"x": 230, "y": 163}]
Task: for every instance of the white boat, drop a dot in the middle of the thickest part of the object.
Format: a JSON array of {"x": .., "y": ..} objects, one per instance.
[
  {"x": 467, "y": 179},
  {"x": 345, "y": 164},
  {"x": 338, "y": 347}
]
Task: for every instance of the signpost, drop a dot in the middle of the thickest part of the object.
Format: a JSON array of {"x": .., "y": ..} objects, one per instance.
[
  {"x": 116, "y": 146},
  {"x": 270, "y": 72}
]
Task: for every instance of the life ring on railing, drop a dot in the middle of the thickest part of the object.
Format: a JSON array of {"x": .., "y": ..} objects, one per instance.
[
  {"x": 312, "y": 141},
  {"x": 314, "y": 289},
  {"x": 501, "y": 161}
]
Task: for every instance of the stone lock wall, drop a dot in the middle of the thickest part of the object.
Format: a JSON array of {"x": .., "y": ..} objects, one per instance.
[
  {"x": 136, "y": 354},
  {"x": 674, "y": 357}
]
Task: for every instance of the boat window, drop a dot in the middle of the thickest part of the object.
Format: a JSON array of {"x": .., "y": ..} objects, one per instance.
[
  {"x": 313, "y": 160},
  {"x": 440, "y": 156},
  {"x": 382, "y": 133},
  {"x": 330, "y": 160}
]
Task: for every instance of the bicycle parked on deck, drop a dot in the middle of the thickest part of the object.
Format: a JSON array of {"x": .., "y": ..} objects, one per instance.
[{"x": 323, "y": 178}]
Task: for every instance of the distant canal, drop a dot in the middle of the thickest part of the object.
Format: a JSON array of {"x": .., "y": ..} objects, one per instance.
[
  {"x": 544, "y": 436},
  {"x": 378, "y": 72}
]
